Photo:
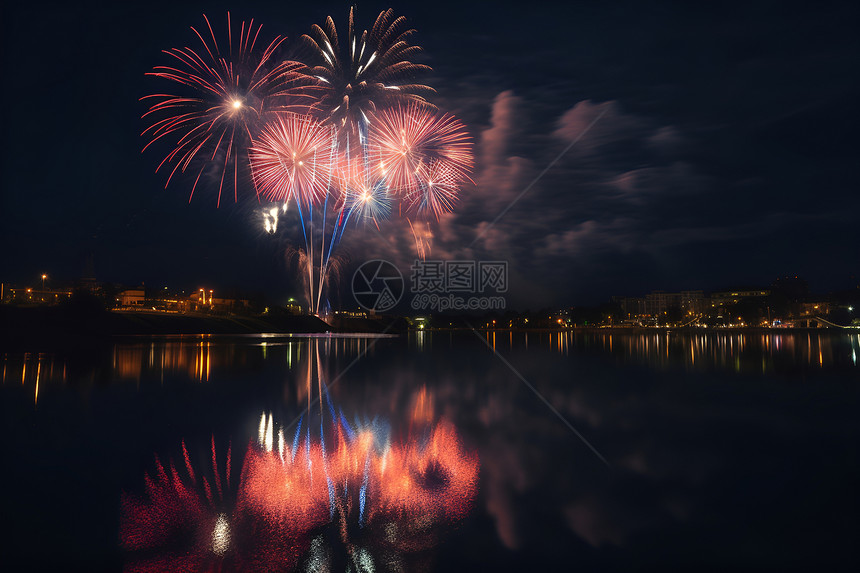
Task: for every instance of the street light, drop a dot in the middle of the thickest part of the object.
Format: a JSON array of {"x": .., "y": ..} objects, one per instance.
[{"x": 44, "y": 276}]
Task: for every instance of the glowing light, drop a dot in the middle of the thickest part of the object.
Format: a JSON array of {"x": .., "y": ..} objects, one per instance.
[
  {"x": 269, "y": 434},
  {"x": 270, "y": 218},
  {"x": 261, "y": 432},
  {"x": 221, "y": 535}
]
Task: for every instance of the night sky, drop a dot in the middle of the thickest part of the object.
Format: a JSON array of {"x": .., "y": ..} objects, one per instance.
[{"x": 725, "y": 152}]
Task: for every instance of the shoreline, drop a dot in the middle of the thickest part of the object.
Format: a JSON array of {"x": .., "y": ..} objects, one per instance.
[
  {"x": 649, "y": 329},
  {"x": 81, "y": 326}
]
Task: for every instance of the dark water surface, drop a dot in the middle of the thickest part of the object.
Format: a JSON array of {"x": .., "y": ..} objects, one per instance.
[{"x": 723, "y": 450}]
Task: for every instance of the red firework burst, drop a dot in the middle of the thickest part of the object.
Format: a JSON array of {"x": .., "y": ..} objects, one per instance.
[
  {"x": 293, "y": 159},
  {"x": 409, "y": 140},
  {"x": 228, "y": 95}
]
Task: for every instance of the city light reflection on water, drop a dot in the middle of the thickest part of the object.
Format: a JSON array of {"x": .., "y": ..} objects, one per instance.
[
  {"x": 193, "y": 358},
  {"x": 197, "y": 357},
  {"x": 732, "y": 351}
]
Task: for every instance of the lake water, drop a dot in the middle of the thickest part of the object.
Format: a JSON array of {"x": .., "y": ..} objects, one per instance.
[{"x": 434, "y": 452}]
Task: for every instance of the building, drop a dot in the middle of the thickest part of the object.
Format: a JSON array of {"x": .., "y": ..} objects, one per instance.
[
  {"x": 725, "y": 298},
  {"x": 131, "y": 298},
  {"x": 660, "y": 302},
  {"x": 692, "y": 301}
]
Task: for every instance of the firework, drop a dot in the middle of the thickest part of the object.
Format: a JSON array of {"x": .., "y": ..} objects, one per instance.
[
  {"x": 364, "y": 188},
  {"x": 369, "y": 201},
  {"x": 226, "y": 92},
  {"x": 371, "y": 70},
  {"x": 292, "y": 160},
  {"x": 348, "y": 136},
  {"x": 411, "y": 138},
  {"x": 308, "y": 273},
  {"x": 438, "y": 191}
]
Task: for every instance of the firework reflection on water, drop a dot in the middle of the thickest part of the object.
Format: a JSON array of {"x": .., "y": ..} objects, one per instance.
[{"x": 323, "y": 491}]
